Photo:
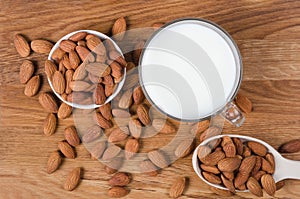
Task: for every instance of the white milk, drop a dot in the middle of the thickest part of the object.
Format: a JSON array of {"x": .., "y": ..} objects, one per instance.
[{"x": 190, "y": 69}]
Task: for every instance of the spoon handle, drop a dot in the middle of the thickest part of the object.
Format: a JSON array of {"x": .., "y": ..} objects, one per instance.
[{"x": 289, "y": 169}]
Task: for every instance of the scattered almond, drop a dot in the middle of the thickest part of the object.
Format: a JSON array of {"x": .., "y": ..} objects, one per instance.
[
  {"x": 72, "y": 179},
  {"x": 32, "y": 86},
  {"x": 71, "y": 136},
  {"x": 48, "y": 102},
  {"x": 158, "y": 159},
  {"x": 119, "y": 179},
  {"x": 163, "y": 126},
  {"x": 243, "y": 103},
  {"x": 254, "y": 187},
  {"x": 66, "y": 149},
  {"x": 131, "y": 147},
  {"x": 41, "y": 46},
  {"x": 92, "y": 134},
  {"x": 26, "y": 71},
  {"x": 177, "y": 187},
  {"x": 111, "y": 152},
  {"x": 119, "y": 28},
  {"x": 268, "y": 184},
  {"x": 50, "y": 124},
  {"x": 64, "y": 111},
  {"x": 117, "y": 192},
  {"x": 21, "y": 45},
  {"x": 292, "y": 146},
  {"x": 184, "y": 148},
  {"x": 54, "y": 162}
]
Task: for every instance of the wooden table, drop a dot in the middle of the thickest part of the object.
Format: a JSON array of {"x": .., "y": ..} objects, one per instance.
[{"x": 267, "y": 33}]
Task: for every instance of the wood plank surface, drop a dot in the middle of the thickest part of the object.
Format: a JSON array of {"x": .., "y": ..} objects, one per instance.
[{"x": 267, "y": 33}]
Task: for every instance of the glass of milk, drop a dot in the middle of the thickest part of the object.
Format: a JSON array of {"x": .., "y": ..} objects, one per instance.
[{"x": 190, "y": 70}]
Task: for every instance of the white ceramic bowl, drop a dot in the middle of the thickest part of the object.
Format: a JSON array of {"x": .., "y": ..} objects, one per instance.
[{"x": 120, "y": 85}]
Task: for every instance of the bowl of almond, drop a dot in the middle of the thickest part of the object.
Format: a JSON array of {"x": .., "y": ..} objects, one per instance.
[
  {"x": 86, "y": 69},
  {"x": 239, "y": 163}
]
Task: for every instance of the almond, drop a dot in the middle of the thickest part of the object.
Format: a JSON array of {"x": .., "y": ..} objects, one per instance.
[
  {"x": 138, "y": 95},
  {"x": 212, "y": 178},
  {"x": 210, "y": 132},
  {"x": 98, "y": 150},
  {"x": 95, "y": 44},
  {"x": 117, "y": 192},
  {"x": 228, "y": 183},
  {"x": 78, "y": 36},
  {"x": 258, "y": 175},
  {"x": 228, "y": 175},
  {"x": 248, "y": 164},
  {"x": 48, "y": 102},
  {"x": 84, "y": 54},
  {"x": 67, "y": 45},
  {"x": 26, "y": 71},
  {"x": 92, "y": 134},
  {"x": 66, "y": 149},
  {"x": 116, "y": 69},
  {"x": 72, "y": 179},
  {"x": 120, "y": 113},
  {"x": 230, "y": 150},
  {"x": 246, "y": 151},
  {"x": 243, "y": 103},
  {"x": 163, "y": 126},
  {"x": 68, "y": 76},
  {"x": 79, "y": 97},
  {"x": 119, "y": 179},
  {"x": 210, "y": 169},
  {"x": 80, "y": 73},
  {"x": 102, "y": 122},
  {"x": 50, "y": 68},
  {"x": 99, "y": 94},
  {"x": 32, "y": 86},
  {"x": 158, "y": 159},
  {"x": 135, "y": 128},
  {"x": 114, "y": 165},
  {"x": 98, "y": 69},
  {"x": 131, "y": 81},
  {"x": 238, "y": 145},
  {"x": 254, "y": 187},
  {"x": 215, "y": 144},
  {"x": 221, "y": 192},
  {"x": 240, "y": 179},
  {"x": 64, "y": 111},
  {"x": 204, "y": 151},
  {"x": 280, "y": 184},
  {"x": 118, "y": 134},
  {"x": 80, "y": 86},
  {"x": 199, "y": 127},
  {"x": 58, "y": 82},
  {"x": 65, "y": 63},
  {"x": 257, "y": 166},
  {"x": 131, "y": 147},
  {"x": 58, "y": 54},
  {"x": 266, "y": 166},
  {"x": 21, "y": 45},
  {"x": 126, "y": 100},
  {"x": 270, "y": 158},
  {"x": 50, "y": 124},
  {"x": 292, "y": 146},
  {"x": 74, "y": 59},
  {"x": 143, "y": 114},
  {"x": 184, "y": 148},
  {"x": 268, "y": 183},
  {"x": 41, "y": 46},
  {"x": 71, "y": 136},
  {"x": 213, "y": 159},
  {"x": 111, "y": 152},
  {"x": 129, "y": 66},
  {"x": 148, "y": 167},
  {"x": 177, "y": 187},
  {"x": 108, "y": 80},
  {"x": 105, "y": 111},
  {"x": 54, "y": 161},
  {"x": 229, "y": 164},
  {"x": 119, "y": 28},
  {"x": 257, "y": 148}
]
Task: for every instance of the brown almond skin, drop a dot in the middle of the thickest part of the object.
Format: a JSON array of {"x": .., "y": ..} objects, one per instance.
[
  {"x": 114, "y": 165},
  {"x": 148, "y": 167},
  {"x": 229, "y": 175},
  {"x": 64, "y": 111},
  {"x": 210, "y": 169},
  {"x": 99, "y": 95},
  {"x": 92, "y": 134},
  {"x": 292, "y": 146},
  {"x": 84, "y": 54},
  {"x": 50, "y": 68},
  {"x": 78, "y": 36},
  {"x": 258, "y": 175},
  {"x": 48, "y": 102},
  {"x": 267, "y": 166},
  {"x": 95, "y": 44},
  {"x": 229, "y": 164},
  {"x": 240, "y": 179},
  {"x": 102, "y": 122},
  {"x": 243, "y": 103},
  {"x": 158, "y": 159},
  {"x": 126, "y": 100},
  {"x": 228, "y": 183},
  {"x": 221, "y": 192},
  {"x": 238, "y": 145},
  {"x": 32, "y": 86},
  {"x": 280, "y": 184},
  {"x": 135, "y": 128},
  {"x": 117, "y": 192},
  {"x": 71, "y": 136},
  {"x": 138, "y": 95},
  {"x": 204, "y": 151},
  {"x": 184, "y": 148},
  {"x": 117, "y": 70},
  {"x": 105, "y": 111},
  {"x": 257, "y": 166},
  {"x": 212, "y": 178},
  {"x": 41, "y": 46},
  {"x": 177, "y": 187},
  {"x": 21, "y": 45},
  {"x": 98, "y": 150},
  {"x": 120, "y": 113},
  {"x": 254, "y": 187},
  {"x": 66, "y": 149},
  {"x": 257, "y": 148},
  {"x": 119, "y": 28},
  {"x": 210, "y": 132},
  {"x": 118, "y": 134},
  {"x": 268, "y": 183},
  {"x": 230, "y": 150},
  {"x": 247, "y": 164},
  {"x": 67, "y": 45},
  {"x": 111, "y": 152},
  {"x": 119, "y": 179},
  {"x": 54, "y": 161},
  {"x": 200, "y": 127},
  {"x": 131, "y": 147},
  {"x": 26, "y": 71},
  {"x": 213, "y": 158},
  {"x": 74, "y": 59},
  {"x": 58, "y": 82},
  {"x": 72, "y": 179},
  {"x": 143, "y": 114},
  {"x": 163, "y": 126},
  {"x": 50, "y": 124},
  {"x": 58, "y": 54}
]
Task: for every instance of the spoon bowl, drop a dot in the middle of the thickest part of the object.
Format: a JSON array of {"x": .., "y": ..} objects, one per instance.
[{"x": 284, "y": 168}]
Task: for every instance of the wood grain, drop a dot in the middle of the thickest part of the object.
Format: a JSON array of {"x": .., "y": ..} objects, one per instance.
[{"x": 267, "y": 33}]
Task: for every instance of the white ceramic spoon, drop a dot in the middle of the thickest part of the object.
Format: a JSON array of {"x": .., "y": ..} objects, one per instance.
[{"x": 284, "y": 168}]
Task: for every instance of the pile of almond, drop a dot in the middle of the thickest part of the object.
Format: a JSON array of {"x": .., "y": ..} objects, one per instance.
[{"x": 238, "y": 165}]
